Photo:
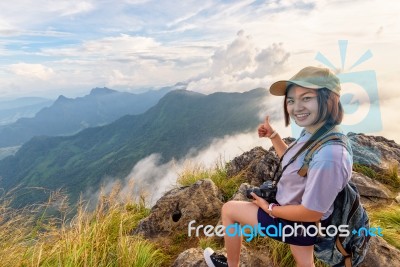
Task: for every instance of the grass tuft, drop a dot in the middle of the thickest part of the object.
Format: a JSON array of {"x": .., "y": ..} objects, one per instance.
[
  {"x": 29, "y": 237},
  {"x": 389, "y": 220},
  {"x": 194, "y": 172},
  {"x": 389, "y": 176}
]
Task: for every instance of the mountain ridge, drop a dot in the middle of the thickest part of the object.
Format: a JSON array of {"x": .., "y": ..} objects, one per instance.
[
  {"x": 69, "y": 115},
  {"x": 181, "y": 120}
]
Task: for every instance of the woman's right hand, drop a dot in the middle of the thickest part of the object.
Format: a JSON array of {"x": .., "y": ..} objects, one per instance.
[{"x": 265, "y": 129}]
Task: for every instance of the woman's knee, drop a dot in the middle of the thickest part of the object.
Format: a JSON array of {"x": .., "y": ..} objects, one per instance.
[
  {"x": 239, "y": 211},
  {"x": 228, "y": 209}
]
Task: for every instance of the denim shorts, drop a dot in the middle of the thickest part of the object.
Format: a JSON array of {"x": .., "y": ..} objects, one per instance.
[{"x": 300, "y": 239}]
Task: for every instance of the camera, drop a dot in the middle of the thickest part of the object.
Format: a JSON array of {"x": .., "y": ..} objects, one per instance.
[{"x": 266, "y": 191}]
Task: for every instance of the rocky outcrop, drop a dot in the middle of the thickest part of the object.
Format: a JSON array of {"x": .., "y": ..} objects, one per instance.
[
  {"x": 381, "y": 253},
  {"x": 370, "y": 188},
  {"x": 173, "y": 212},
  {"x": 194, "y": 258},
  {"x": 374, "y": 151},
  {"x": 256, "y": 165}
]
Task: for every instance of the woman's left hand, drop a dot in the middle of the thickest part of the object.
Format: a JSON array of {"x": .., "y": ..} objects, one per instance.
[{"x": 262, "y": 203}]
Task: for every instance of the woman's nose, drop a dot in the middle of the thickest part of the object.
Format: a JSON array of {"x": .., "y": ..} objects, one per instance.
[{"x": 298, "y": 106}]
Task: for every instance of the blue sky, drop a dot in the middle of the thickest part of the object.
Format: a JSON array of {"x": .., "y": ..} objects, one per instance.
[{"x": 67, "y": 47}]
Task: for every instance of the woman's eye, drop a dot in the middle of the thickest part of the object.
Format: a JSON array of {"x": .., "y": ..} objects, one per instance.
[
  {"x": 306, "y": 98},
  {"x": 289, "y": 102}
]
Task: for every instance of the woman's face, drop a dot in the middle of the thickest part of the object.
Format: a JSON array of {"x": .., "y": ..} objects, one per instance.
[{"x": 302, "y": 106}]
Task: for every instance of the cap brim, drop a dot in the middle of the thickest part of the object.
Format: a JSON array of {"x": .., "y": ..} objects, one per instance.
[{"x": 279, "y": 88}]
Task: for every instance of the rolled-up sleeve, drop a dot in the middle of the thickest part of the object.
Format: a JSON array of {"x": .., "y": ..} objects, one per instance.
[{"x": 328, "y": 173}]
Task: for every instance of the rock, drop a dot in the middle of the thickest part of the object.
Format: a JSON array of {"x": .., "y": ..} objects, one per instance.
[
  {"x": 374, "y": 151},
  {"x": 241, "y": 193},
  {"x": 398, "y": 198},
  {"x": 200, "y": 201},
  {"x": 381, "y": 254},
  {"x": 194, "y": 258},
  {"x": 257, "y": 165},
  {"x": 369, "y": 187}
]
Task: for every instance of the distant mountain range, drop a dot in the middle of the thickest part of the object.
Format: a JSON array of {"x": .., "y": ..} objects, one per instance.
[
  {"x": 181, "y": 120},
  {"x": 68, "y": 116},
  {"x": 24, "y": 107}
]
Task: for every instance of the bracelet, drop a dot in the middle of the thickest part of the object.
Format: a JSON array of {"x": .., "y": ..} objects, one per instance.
[
  {"x": 270, "y": 207},
  {"x": 272, "y": 135}
]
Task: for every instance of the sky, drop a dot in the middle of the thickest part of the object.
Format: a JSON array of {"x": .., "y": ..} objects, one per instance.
[{"x": 68, "y": 47}]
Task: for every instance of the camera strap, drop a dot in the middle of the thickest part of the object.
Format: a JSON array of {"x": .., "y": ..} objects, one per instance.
[{"x": 324, "y": 129}]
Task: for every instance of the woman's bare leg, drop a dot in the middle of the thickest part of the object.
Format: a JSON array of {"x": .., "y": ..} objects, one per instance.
[
  {"x": 304, "y": 255},
  {"x": 244, "y": 213}
]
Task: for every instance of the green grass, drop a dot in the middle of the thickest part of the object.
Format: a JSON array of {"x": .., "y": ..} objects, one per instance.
[
  {"x": 205, "y": 242},
  {"x": 389, "y": 220},
  {"x": 367, "y": 171},
  {"x": 389, "y": 177},
  {"x": 228, "y": 185}
]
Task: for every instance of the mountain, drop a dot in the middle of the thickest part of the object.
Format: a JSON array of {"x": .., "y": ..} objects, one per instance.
[
  {"x": 181, "y": 120},
  {"x": 68, "y": 116},
  {"x": 27, "y": 107}
]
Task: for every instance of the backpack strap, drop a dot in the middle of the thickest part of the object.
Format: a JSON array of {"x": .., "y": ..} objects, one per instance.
[
  {"x": 346, "y": 255},
  {"x": 336, "y": 137},
  {"x": 323, "y": 130}
]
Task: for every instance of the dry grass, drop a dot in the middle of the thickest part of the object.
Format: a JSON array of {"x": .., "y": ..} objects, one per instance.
[
  {"x": 29, "y": 237},
  {"x": 388, "y": 219},
  {"x": 195, "y": 172}
]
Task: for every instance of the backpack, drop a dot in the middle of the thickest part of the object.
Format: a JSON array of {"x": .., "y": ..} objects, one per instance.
[{"x": 341, "y": 250}]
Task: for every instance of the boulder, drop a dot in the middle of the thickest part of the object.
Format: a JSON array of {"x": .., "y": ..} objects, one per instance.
[
  {"x": 241, "y": 193},
  {"x": 369, "y": 187},
  {"x": 381, "y": 254},
  {"x": 173, "y": 212},
  {"x": 192, "y": 257},
  {"x": 257, "y": 165},
  {"x": 374, "y": 151}
]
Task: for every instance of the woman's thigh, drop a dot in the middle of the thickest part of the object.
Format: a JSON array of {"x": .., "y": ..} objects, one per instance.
[{"x": 241, "y": 212}]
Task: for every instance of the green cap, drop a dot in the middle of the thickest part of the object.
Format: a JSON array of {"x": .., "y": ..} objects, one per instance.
[{"x": 309, "y": 77}]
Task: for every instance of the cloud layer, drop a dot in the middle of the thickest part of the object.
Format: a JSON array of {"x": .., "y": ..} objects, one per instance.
[{"x": 69, "y": 47}]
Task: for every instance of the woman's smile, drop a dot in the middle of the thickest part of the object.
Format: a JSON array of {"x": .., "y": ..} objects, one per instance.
[{"x": 302, "y": 116}]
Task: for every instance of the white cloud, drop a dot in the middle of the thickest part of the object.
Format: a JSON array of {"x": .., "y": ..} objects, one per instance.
[
  {"x": 74, "y": 7},
  {"x": 156, "y": 178},
  {"x": 24, "y": 15},
  {"x": 240, "y": 66},
  {"x": 148, "y": 43},
  {"x": 37, "y": 71}
]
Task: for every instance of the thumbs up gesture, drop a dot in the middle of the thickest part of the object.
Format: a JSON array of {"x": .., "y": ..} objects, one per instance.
[{"x": 265, "y": 129}]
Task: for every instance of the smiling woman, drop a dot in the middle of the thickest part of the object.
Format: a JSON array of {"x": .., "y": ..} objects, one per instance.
[{"x": 312, "y": 100}]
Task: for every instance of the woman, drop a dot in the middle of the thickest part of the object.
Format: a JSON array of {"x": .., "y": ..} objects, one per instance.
[{"x": 312, "y": 100}]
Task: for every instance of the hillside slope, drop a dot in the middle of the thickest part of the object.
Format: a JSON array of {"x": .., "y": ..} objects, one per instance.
[{"x": 180, "y": 121}]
